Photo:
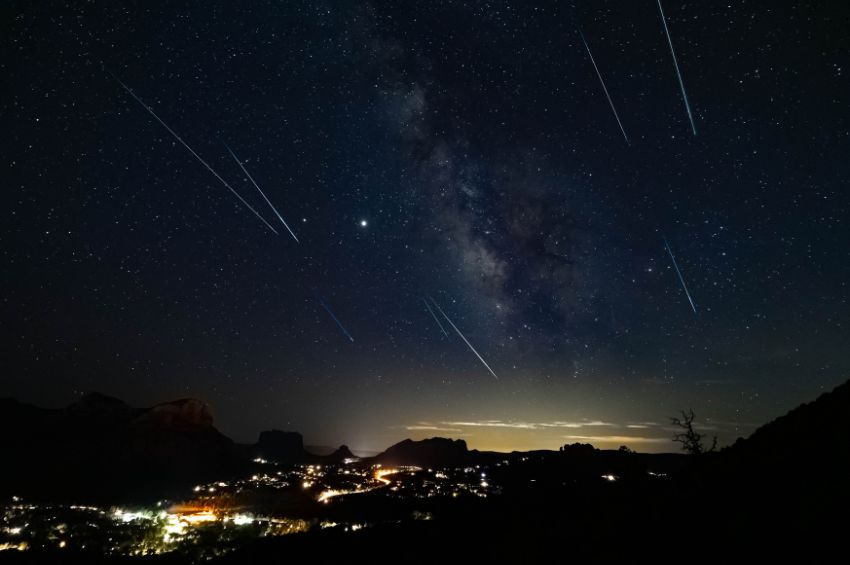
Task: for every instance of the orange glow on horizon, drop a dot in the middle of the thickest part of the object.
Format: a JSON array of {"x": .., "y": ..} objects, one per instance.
[{"x": 502, "y": 440}]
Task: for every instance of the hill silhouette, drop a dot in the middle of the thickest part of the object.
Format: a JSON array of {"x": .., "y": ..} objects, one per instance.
[
  {"x": 815, "y": 430},
  {"x": 108, "y": 451},
  {"x": 280, "y": 446},
  {"x": 805, "y": 454},
  {"x": 432, "y": 452},
  {"x": 101, "y": 448}
]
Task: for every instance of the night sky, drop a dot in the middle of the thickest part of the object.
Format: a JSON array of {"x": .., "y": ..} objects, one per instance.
[{"x": 461, "y": 151}]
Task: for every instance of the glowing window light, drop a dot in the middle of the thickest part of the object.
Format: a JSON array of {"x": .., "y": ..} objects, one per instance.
[
  {"x": 22, "y": 546},
  {"x": 198, "y": 517},
  {"x": 174, "y": 527},
  {"x": 243, "y": 519},
  {"x": 131, "y": 516}
]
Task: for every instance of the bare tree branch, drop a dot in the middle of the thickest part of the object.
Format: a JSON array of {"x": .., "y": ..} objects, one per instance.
[{"x": 690, "y": 439}]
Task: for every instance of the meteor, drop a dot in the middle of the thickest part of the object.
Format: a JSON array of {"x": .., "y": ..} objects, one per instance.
[
  {"x": 604, "y": 89},
  {"x": 464, "y": 339},
  {"x": 192, "y": 151},
  {"x": 678, "y": 72},
  {"x": 681, "y": 279},
  {"x": 244, "y": 170},
  {"x": 436, "y": 319},
  {"x": 335, "y": 319}
]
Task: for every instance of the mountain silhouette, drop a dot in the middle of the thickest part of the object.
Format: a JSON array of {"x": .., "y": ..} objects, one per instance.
[
  {"x": 432, "y": 452},
  {"x": 805, "y": 453},
  {"x": 340, "y": 454},
  {"x": 99, "y": 447},
  {"x": 280, "y": 446},
  {"x": 819, "y": 429}
]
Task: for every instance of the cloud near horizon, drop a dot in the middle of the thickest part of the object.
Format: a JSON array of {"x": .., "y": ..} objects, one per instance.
[
  {"x": 619, "y": 439},
  {"x": 504, "y": 435},
  {"x": 642, "y": 425},
  {"x": 519, "y": 425},
  {"x": 424, "y": 426}
]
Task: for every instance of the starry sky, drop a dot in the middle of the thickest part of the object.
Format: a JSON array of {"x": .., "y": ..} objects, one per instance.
[{"x": 454, "y": 156}]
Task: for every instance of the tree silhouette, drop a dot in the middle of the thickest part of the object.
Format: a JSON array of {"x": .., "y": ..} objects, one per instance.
[{"x": 690, "y": 439}]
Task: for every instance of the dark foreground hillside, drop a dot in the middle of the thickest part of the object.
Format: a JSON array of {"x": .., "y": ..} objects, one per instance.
[{"x": 783, "y": 490}]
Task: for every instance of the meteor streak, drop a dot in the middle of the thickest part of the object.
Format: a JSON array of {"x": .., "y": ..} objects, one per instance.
[
  {"x": 678, "y": 72},
  {"x": 464, "y": 339},
  {"x": 436, "y": 319},
  {"x": 244, "y": 170},
  {"x": 681, "y": 279},
  {"x": 335, "y": 319},
  {"x": 192, "y": 151},
  {"x": 604, "y": 89}
]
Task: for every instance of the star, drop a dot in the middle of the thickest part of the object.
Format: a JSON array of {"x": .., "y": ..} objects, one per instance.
[{"x": 364, "y": 223}]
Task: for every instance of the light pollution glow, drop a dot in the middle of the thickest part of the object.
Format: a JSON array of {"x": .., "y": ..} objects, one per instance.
[{"x": 506, "y": 436}]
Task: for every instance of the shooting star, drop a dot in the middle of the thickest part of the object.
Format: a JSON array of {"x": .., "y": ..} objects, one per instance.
[
  {"x": 604, "y": 89},
  {"x": 335, "y": 319},
  {"x": 464, "y": 339},
  {"x": 678, "y": 72},
  {"x": 681, "y": 279},
  {"x": 192, "y": 151},
  {"x": 244, "y": 170},
  {"x": 436, "y": 319}
]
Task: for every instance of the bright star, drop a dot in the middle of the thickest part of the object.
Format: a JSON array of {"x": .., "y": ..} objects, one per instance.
[{"x": 363, "y": 223}]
